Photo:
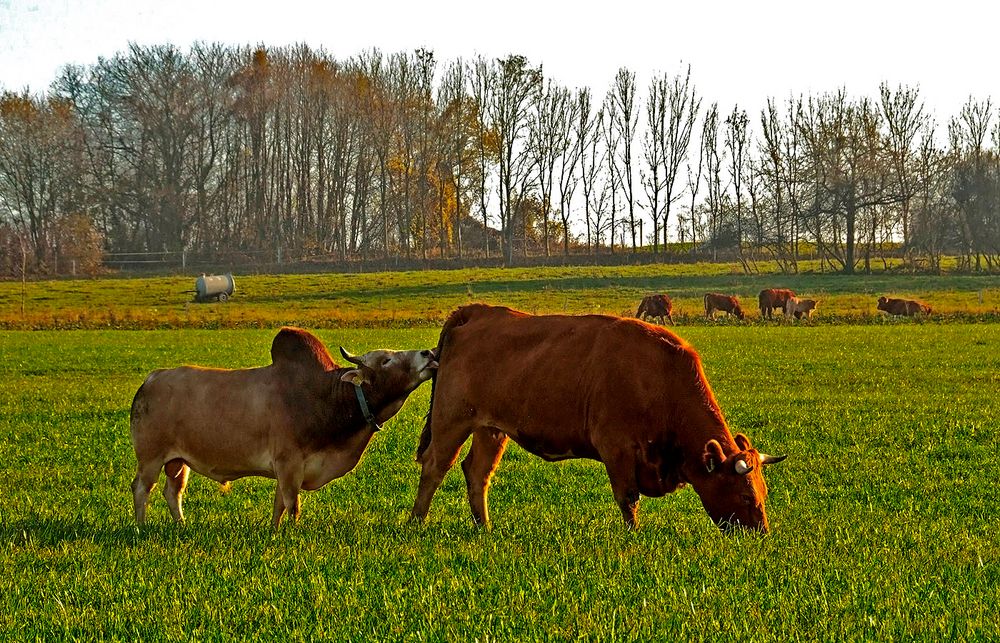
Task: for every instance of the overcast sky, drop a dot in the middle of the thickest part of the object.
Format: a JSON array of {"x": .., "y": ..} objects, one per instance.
[{"x": 740, "y": 51}]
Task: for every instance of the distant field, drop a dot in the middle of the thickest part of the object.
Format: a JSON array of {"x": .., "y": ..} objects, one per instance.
[
  {"x": 424, "y": 298},
  {"x": 884, "y": 515}
]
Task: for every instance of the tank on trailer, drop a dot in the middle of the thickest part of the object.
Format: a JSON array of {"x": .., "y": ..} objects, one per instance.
[{"x": 214, "y": 287}]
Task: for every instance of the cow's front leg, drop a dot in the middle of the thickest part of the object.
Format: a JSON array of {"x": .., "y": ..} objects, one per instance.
[
  {"x": 289, "y": 475},
  {"x": 621, "y": 473}
]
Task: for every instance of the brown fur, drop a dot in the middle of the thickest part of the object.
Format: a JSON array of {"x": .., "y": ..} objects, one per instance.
[
  {"x": 297, "y": 420},
  {"x": 301, "y": 348},
  {"x": 655, "y": 307},
  {"x": 906, "y": 307},
  {"x": 726, "y": 303},
  {"x": 771, "y": 299},
  {"x": 569, "y": 387}
]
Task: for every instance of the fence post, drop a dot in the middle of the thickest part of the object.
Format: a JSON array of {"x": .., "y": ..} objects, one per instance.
[{"x": 184, "y": 262}]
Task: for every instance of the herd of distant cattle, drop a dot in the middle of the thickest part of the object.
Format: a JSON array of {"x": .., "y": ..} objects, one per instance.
[
  {"x": 626, "y": 393},
  {"x": 661, "y": 307}
]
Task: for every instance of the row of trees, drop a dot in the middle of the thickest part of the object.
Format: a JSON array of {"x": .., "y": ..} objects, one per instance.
[{"x": 223, "y": 149}]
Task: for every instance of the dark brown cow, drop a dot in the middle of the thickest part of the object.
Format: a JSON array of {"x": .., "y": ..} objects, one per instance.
[
  {"x": 655, "y": 307},
  {"x": 771, "y": 299},
  {"x": 908, "y": 307},
  {"x": 727, "y": 303},
  {"x": 623, "y": 392},
  {"x": 302, "y": 420}
]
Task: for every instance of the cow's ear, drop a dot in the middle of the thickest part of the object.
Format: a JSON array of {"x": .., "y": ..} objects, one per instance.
[
  {"x": 713, "y": 455},
  {"x": 354, "y": 376},
  {"x": 743, "y": 442}
]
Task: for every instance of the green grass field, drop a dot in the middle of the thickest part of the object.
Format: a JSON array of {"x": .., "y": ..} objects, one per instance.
[
  {"x": 407, "y": 299},
  {"x": 883, "y": 517}
]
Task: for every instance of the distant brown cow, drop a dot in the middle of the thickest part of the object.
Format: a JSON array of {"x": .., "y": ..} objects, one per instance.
[
  {"x": 771, "y": 299},
  {"x": 655, "y": 306},
  {"x": 630, "y": 395},
  {"x": 302, "y": 420},
  {"x": 908, "y": 307},
  {"x": 800, "y": 307},
  {"x": 726, "y": 303}
]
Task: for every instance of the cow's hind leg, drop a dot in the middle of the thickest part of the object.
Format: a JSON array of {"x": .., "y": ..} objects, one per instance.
[
  {"x": 142, "y": 485},
  {"x": 177, "y": 477},
  {"x": 488, "y": 446},
  {"x": 440, "y": 456}
]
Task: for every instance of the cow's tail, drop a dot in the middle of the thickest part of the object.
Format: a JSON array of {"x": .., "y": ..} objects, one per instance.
[
  {"x": 457, "y": 318},
  {"x": 705, "y": 299}
]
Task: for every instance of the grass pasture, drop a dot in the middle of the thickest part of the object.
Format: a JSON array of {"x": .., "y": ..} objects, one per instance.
[
  {"x": 884, "y": 516},
  {"x": 409, "y": 299}
]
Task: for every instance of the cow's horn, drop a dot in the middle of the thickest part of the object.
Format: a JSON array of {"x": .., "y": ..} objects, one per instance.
[
  {"x": 350, "y": 358},
  {"x": 771, "y": 459},
  {"x": 742, "y": 468}
]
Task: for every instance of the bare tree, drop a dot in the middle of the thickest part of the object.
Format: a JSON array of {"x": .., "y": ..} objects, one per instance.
[
  {"x": 611, "y": 140},
  {"x": 736, "y": 145},
  {"x": 682, "y": 112},
  {"x": 626, "y": 118},
  {"x": 40, "y": 152},
  {"x": 516, "y": 85},
  {"x": 589, "y": 134},
  {"x": 548, "y": 132},
  {"x": 693, "y": 188},
  {"x": 652, "y": 149},
  {"x": 972, "y": 186},
  {"x": 713, "y": 176},
  {"x": 459, "y": 132},
  {"x": 486, "y": 150},
  {"x": 570, "y": 151},
  {"x": 904, "y": 116}
]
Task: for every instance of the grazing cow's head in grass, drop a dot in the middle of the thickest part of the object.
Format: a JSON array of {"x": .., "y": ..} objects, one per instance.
[{"x": 734, "y": 492}]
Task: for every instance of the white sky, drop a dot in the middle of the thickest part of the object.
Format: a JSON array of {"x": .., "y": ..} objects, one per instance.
[{"x": 740, "y": 52}]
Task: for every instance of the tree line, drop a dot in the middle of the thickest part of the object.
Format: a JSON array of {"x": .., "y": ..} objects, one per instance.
[{"x": 237, "y": 151}]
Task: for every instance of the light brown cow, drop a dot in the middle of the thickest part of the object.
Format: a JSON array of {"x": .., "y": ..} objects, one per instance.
[
  {"x": 799, "y": 307},
  {"x": 907, "y": 307},
  {"x": 655, "y": 307},
  {"x": 727, "y": 303},
  {"x": 625, "y": 393},
  {"x": 771, "y": 299},
  {"x": 302, "y": 420}
]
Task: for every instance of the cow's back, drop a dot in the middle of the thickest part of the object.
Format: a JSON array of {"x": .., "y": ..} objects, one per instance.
[
  {"x": 554, "y": 374},
  {"x": 208, "y": 410}
]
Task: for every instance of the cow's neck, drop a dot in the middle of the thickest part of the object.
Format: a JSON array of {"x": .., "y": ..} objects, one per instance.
[{"x": 381, "y": 405}]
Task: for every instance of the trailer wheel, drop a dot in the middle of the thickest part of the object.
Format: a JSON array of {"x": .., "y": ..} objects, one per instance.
[{"x": 223, "y": 297}]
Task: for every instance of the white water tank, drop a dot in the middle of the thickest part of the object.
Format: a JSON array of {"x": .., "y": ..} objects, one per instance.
[{"x": 214, "y": 287}]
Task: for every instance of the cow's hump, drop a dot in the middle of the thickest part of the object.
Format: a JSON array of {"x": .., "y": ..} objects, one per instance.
[{"x": 301, "y": 348}]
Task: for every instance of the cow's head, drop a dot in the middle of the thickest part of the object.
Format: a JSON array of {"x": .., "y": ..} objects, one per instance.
[
  {"x": 734, "y": 491},
  {"x": 883, "y": 303},
  {"x": 388, "y": 377},
  {"x": 738, "y": 311}
]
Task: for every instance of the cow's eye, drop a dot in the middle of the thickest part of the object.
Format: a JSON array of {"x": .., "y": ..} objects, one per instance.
[{"x": 386, "y": 361}]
